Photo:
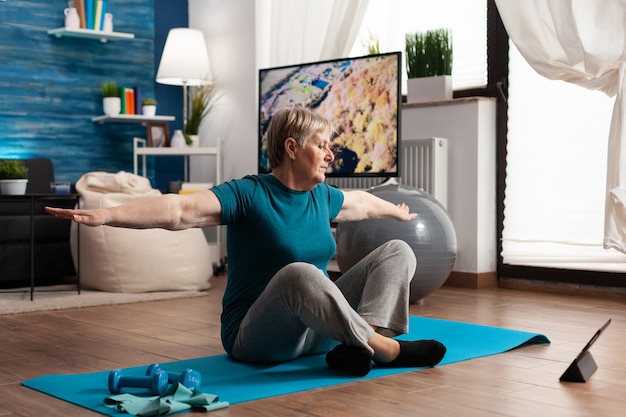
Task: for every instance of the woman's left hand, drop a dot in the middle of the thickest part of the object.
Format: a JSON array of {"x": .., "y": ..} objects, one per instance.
[{"x": 405, "y": 213}]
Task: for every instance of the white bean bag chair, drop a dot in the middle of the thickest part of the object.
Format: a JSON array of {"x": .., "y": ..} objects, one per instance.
[{"x": 115, "y": 259}]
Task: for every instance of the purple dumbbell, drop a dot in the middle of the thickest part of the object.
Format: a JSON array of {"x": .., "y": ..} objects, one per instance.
[
  {"x": 188, "y": 378},
  {"x": 156, "y": 383}
]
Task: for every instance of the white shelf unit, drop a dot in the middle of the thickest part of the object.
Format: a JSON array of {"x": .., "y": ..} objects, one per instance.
[
  {"x": 132, "y": 118},
  {"x": 140, "y": 149},
  {"x": 90, "y": 34}
]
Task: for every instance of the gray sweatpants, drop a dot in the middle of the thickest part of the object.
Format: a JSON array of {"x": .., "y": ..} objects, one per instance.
[{"x": 302, "y": 312}]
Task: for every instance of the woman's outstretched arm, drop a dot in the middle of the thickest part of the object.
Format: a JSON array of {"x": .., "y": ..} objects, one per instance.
[
  {"x": 169, "y": 211},
  {"x": 361, "y": 205}
]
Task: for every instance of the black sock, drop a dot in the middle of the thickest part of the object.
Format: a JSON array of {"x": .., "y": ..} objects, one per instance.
[
  {"x": 350, "y": 359},
  {"x": 417, "y": 353}
]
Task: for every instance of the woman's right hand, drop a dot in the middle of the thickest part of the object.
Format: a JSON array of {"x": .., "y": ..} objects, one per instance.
[{"x": 86, "y": 217}]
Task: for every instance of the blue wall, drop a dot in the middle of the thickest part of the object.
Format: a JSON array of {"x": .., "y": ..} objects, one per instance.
[
  {"x": 50, "y": 87},
  {"x": 168, "y": 14}
]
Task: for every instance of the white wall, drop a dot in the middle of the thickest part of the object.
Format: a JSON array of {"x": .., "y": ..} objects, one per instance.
[
  {"x": 229, "y": 29},
  {"x": 470, "y": 127}
]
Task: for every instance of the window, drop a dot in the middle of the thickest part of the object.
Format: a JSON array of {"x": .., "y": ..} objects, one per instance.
[
  {"x": 391, "y": 20},
  {"x": 556, "y": 173}
]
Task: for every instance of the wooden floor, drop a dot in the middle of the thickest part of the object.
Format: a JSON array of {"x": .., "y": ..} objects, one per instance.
[{"x": 524, "y": 382}]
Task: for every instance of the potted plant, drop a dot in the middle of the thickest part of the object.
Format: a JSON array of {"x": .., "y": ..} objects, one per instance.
[
  {"x": 372, "y": 44},
  {"x": 148, "y": 106},
  {"x": 111, "y": 102},
  {"x": 202, "y": 101},
  {"x": 13, "y": 176},
  {"x": 429, "y": 65}
]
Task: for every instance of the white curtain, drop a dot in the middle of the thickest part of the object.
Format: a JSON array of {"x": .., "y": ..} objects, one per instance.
[
  {"x": 581, "y": 42},
  {"x": 555, "y": 173},
  {"x": 297, "y": 31}
]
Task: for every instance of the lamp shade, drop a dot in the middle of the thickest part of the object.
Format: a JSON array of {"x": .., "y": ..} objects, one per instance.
[{"x": 185, "y": 60}]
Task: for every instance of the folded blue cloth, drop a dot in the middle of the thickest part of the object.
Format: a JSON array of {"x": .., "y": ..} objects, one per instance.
[{"x": 177, "y": 398}]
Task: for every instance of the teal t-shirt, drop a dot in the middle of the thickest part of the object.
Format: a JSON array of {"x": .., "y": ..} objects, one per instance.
[{"x": 270, "y": 226}]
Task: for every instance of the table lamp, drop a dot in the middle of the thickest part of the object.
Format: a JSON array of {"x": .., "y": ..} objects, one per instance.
[{"x": 184, "y": 62}]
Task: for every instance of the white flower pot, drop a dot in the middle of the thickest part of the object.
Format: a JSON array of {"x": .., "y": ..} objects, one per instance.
[
  {"x": 429, "y": 89},
  {"x": 111, "y": 105},
  {"x": 148, "y": 110},
  {"x": 13, "y": 187},
  {"x": 195, "y": 141}
]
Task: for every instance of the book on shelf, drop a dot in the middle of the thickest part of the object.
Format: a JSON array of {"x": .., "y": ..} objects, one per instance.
[
  {"x": 80, "y": 8},
  {"x": 129, "y": 96},
  {"x": 89, "y": 14},
  {"x": 138, "y": 100},
  {"x": 97, "y": 16},
  {"x": 193, "y": 187},
  {"x": 196, "y": 185},
  {"x": 104, "y": 10},
  {"x": 123, "y": 99}
]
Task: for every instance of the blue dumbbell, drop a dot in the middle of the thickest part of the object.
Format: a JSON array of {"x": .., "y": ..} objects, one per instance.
[
  {"x": 156, "y": 383},
  {"x": 188, "y": 378}
]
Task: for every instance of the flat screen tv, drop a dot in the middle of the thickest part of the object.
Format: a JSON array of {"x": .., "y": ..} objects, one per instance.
[{"x": 360, "y": 97}]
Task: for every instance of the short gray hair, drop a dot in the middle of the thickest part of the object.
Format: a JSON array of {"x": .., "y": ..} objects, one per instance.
[{"x": 299, "y": 123}]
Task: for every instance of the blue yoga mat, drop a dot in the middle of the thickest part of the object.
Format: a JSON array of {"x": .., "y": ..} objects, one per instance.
[{"x": 237, "y": 382}]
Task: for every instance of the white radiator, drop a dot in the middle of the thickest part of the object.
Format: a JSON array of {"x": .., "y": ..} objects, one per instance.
[{"x": 423, "y": 165}]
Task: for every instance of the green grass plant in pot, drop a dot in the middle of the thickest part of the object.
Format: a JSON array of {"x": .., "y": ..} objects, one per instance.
[
  {"x": 202, "y": 99},
  {"x": 429, "y": 65},
  {"x": 111, "y": 102},
  {"x": 13, "y": 176}
]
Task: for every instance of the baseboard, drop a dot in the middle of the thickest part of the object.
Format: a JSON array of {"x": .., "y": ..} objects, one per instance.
[
  {"x": 472, "y": 280},
  {"x": 561, "y": 288},
  {"x": 457, "y": 279}
]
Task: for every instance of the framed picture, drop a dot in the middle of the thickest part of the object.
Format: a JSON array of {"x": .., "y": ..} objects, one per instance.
[{"x": 158, "y": 135}]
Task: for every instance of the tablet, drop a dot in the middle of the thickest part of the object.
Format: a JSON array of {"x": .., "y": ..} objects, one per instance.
[
  {"x": 593, "y": 339},
  {"x": 581, "y": 369}
]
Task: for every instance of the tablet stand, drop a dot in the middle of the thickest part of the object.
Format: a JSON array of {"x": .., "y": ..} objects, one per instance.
[{"x": 580, "y": 369}]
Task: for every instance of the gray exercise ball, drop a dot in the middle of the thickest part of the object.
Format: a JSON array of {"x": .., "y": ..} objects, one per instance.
[{"x": 431, "y": 236}]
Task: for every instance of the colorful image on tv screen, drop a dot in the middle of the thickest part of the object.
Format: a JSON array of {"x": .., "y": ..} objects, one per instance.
[{"x": 359, "y": 96}]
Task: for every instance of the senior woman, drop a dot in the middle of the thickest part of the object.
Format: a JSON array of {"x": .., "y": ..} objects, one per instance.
[{"x": 279, "y": 302}]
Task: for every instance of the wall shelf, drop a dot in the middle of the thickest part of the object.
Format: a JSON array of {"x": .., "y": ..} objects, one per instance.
[
  {"x": 132, "y": 118},
  {"x": 90, "y": 34}
]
